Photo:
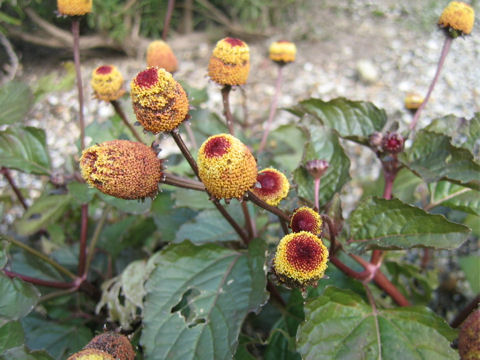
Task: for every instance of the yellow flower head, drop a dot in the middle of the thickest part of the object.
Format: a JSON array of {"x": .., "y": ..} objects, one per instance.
[
  {"x": 469, "y": 337},
  {"x": 413, "y": 101},
  {"x": 115, "y": 344},
  {"x": 161, "y": 55},
  {"x": 306, "y": 219},
  {"x": 226, "y": 166},
  {"x": 91, "y": 354},
  {"x": 107, "y": 83},
  {"x": 272, "y": 186},
  {"x": 457, "y": 17},
  {"x": 300, "y": 260},
  {"x": 159, "y": 102},
  {"x": 74, "y": 7},
  {"x": 283, "y": 51},
  {"x": 230, "y": 62},
  {"x": 122, "y": 168}
]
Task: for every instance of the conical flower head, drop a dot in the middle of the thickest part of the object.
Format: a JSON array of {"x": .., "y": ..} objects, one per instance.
[
  {"x": 282, "y": 51},
  {"x": 115, "y": 344},
  {"x": 160, "y": 54},
  {"x": 107, "y": 83},
  {"x": 74, "y": 7},
  {"x": 230, "y": 62},
  {"x": 226, "y": 166},
  {"x": 457, "y": 18},
  {"x": 122, "y": 168},
  {"x": 300, "y": 260},
  {"x": 159, "y": 102},
  {"x": 91, "y": 354},
  {"x": 306, "y": 219},
  {"x": 469, "y": 337},
  {"x": 272, "y": 186}
]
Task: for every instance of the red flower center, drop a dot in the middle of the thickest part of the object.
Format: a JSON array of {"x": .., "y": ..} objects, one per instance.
[
  {"x": 269, "y": 181},
  {"x": 304, "y": 253},
  {"x": 304, "y": 221},
  {"x": 217, "y": 147},
  {"x": 147, "y": 78},
  {"x": 234, "y": 42},
  {"x": 103, "y": 70}
]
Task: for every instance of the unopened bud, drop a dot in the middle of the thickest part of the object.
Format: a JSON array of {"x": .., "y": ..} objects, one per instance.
[
  {"x": 393, "y": 143},
  {"x": 317, "y": 167},
  {"x": 469, "y": 337},
  {"x": 114, "y": 344}
]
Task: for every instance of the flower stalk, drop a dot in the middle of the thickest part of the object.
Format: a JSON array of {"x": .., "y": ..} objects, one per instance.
[
  {"x": 118, "y": 109},
  {"x": 226, "y": 107}
]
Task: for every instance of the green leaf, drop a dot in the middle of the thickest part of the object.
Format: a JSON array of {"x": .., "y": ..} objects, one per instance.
[
  {"x": 393, "y": 225},
  {"x": 197, "y": 299},
  {"x": 25, "y": 149},
  {"x": 286, "y": 142},
  {"x": 471, "y": 267},
  {"x": 355, "y": 120},
  {"x": 18, "y": 298},
  {"x": 323, "y": 145},
  {"x": 136, "y": 207},
  {"x": 11, "y": 335},
  {"x": 434, "y": 158},
  {"x": 45, "y": 210},
  {"x": 454, "y": 196},
  {"x": 340, "y": 325},
  {"x": 80, "y": 192},
  {"x": 464, "y": 133},
  {"x": 15, "y": 102},
  {"x": 192, "y": 199},
  {"x": 61, "y": 339},
  {"x": 22, "y": 353}
]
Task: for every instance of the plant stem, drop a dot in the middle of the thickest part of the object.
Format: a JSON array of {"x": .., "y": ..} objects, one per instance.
[
  {"x": 186, "y": 153},
  {"x": 40, "y": 282},
  {"x": 41, "y": 256},
  {"x": 471, "y": 307},
  {"x": 55, "y": 294},
  {"x": 441, "y": 61},
  {"x": 168, "y": 16},
  {"x": 274, "y": 210},
  {"x": 96, "y": 235},
  {"x": 231, "y": 221},
  {"x": 317, "y": 190},
  {"x": 121, "y": 113},
  {"x": 248, "y": 220},
  {"x": 83, "y": 241},
  {"x": 275, "y": 294},
  {"x": 14, "y": 187},
  {"x": 226, "y": 106},
  {"x": 76, "y": 58},
  {"x": 273, "y": 108},
  {"x": 174, "y": 180},
  {"x": 385, "y": 284}
]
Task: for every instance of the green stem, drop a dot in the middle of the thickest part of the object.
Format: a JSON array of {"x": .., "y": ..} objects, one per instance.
[{"x": 96, "y": 235}]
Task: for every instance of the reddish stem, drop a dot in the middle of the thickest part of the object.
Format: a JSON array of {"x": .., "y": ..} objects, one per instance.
[
  {"x": 226, "y": 106},
  {"x": 168, "y": 17},
  {"x": 275, "y": 294},
  {"x": 274, "y": 210},
  {"x": 40, "y": 282},
  {"x": 83, "y": 241},
  {"x": 346, "y": 269},
  {"x": 317, "y": 190},
  {"x": 121, "y": 113},
  {"x": 382, "y": 281},
  {"x": 248, "y": 220},
  {"x": 14, "y": 187}
]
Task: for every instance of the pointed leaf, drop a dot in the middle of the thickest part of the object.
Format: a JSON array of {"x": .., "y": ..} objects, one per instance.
[
  {"x": 18, "y": 298},
  {"x": 340, "y": 325},
  {"x": 434, "y": 158},
  {"x": 15, "y": 102},
  {"x": 471, "y": 267},
  {"x": 454, "y": 196},
  {"x": 11, "y": 335},
  {"x": 352, "y": 119},
  {"x": 323, "y": 145},
  {"x": 24, "y": 149},
  {"x": 197, "y": 299},
  {"x": 391, "y": 224}
]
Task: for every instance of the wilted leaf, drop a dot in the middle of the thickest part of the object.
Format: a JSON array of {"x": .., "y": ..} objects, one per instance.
[
  {"x": 15, "y": 102},
  {"x": 197, "y": 299},
  {"x": 340, "y": 325}
]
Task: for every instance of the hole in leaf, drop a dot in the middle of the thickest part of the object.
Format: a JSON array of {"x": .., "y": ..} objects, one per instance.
[
  {"x": 196, "y": 321},
  {"x": 185, "y": 307}
]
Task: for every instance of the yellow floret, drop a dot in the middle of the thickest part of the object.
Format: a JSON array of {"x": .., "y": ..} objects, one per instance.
[
  {"x": 272, "y": 186},
  {"x": 230, "y": 62},
  {"x": 161, "y": 55},
  {"x": 413, "y": 101},
  {"x": 74, "y": 7},
  {"x": 107, "y": 86},
  {"x": 91, "y": 354},
  {"x": 458, "y": 16},
  {"x": 228, "y": 169},
  {"x": 301, "y": 259},
  {"x": 283, "y": 51},
  {"x": 122, "y": 168},
  {"x": 306, "y": 219}
]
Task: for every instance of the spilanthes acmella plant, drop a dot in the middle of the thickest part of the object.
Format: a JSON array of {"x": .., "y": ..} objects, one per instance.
[{"x": 263, "y": 242}]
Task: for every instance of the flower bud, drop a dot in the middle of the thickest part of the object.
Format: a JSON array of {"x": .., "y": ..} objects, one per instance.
[
  {"x": 74, "y": 7},
  {"x": 300, "y": 260},
  {"x": 226, "y": 166},
  {"x": 107, "y": 83},
  {"x": 160, "y": 54},
  {"x": 413, "y": 101},
  {"x": 393, "y": 143},
  {"x": 376, "y": 140},
  {"x": 457, "y": 18},
  {"x": 282, "y": 52},
  {"x": 306, "y": 219},
  {"x": 159, "y": 102},
  {"x": 91, "y": 354},
  {"x": 114, "y": 344},
  {"x": 469, "y": 337},
  {"x": 230, "y": 62},
  {"x": 122, "y": 168},
  {"x": 317, "y": 168},
  {"x": 272, "y": 186}
]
